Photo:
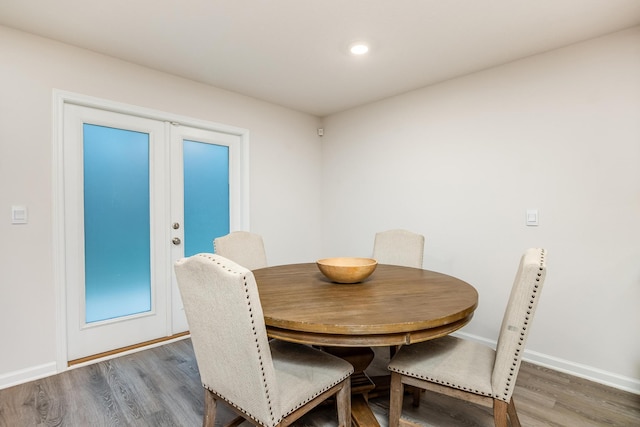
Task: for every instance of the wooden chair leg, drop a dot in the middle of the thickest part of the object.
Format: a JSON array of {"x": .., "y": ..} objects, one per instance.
[
  {"x": 343, "y": 403},
  {"x": 210, "y": 405},
  {"x": 395, "y": 400},
  {"x": 416, "y": 393},
  {"x": 500, "y": 413},
  {"x": 513, "y": 416},
  {"x": 235, "y": 422}
]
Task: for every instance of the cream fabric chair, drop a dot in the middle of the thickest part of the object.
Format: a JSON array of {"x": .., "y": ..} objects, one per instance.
[
  {"x": 399, "y": 247},
  {"x": 244, "y": 248},
  {"x": 269, "y": 383},
  {"x": 469, "y": 370}
]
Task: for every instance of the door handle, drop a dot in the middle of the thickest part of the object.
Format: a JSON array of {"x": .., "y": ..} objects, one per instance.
[{"x": 176, "y": 241}]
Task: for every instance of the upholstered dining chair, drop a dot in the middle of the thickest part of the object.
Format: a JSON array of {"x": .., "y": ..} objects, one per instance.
[
  {"x": 243, "y": 247},
  {"x": 469, "y": 370},
  {"x": 268, "y": 383},
  {"x": 399, "y": 247}
]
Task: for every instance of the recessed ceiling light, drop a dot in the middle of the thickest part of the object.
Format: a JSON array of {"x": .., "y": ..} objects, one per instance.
[{"x": 359, "y": 48}]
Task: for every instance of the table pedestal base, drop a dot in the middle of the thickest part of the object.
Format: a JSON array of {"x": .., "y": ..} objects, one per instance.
[
  {"x": 361, "y": 413},
  {"x": 361, "y": 384}
]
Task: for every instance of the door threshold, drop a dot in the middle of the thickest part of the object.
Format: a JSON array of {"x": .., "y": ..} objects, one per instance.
[{"x": 126, "y": 350}]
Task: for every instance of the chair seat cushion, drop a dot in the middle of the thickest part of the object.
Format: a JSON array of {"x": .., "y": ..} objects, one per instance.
[
  {"x": 450, "y": 361},
  {"x": 303, "y": 372}
]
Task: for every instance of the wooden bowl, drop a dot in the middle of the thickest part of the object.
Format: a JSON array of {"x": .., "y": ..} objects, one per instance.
[{"x": 347, "y": 270}]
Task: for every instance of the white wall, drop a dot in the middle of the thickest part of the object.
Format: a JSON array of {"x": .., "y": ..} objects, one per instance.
[
  {"x": 285, "y": 155},
  {"x": 461, "y": 161}
]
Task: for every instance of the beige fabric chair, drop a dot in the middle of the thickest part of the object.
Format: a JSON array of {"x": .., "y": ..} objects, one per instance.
[
  {"x": 244, "y": 248},
  {"x": 269, "y": 383},
  {"x": 469, "y": 370},
  {"x": 399, "y": 247}
]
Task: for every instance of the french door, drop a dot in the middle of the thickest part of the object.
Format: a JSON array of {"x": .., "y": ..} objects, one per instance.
[
  {"x": 139, "y": 193},
  {"x": 201, "y": 195}
]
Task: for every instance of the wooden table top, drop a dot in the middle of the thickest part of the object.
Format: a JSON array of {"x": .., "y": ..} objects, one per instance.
[{"x": 394, "y": 306}]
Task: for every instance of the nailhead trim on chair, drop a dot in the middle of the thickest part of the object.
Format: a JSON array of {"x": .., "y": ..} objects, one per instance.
[
  {"x": 448, "y": 384},
  {"x": 264, "y": 380},
  {"x": 248, "y": 415},
  {"x": 267, "y": 392},
  {"x": 300, "y": 404},
  {"x": 516, "y": 357},
  {"x": 517, "y": 354},
  {"x": 434, "y": 380}
]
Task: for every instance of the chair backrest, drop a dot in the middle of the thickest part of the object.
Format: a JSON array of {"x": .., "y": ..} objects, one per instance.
[
  {"x": 229, "y": 337},
  {"x": 399, "y": 247},
  {"x": 244, "y": 248},
  {"x": 516, "y": 322}
]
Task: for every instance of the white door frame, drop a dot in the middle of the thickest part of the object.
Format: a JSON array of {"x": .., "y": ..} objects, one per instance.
[{"x": 60, "y": 98}]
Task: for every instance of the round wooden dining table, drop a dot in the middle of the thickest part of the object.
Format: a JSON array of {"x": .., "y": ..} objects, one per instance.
[{"x": 394, "y": 306}]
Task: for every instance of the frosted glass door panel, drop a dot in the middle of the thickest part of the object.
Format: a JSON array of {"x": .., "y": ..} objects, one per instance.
[
  {"x": 116, "y": 222},
  {"x": 206, "y": 195}
]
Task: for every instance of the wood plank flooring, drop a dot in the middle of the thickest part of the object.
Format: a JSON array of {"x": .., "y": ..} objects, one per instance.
[{"x": 161, "y": 387}]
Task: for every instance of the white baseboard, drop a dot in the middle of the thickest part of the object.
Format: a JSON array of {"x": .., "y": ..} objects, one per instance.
[
  {"x": 590, "y": 373},
  {"x": 35, "y": 373},
  {"x": 29, "y": 374}
]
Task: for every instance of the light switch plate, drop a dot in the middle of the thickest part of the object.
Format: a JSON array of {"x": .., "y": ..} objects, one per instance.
[
  {"x": 19, "y": 215},
  {"x": 532, "y": 217}
]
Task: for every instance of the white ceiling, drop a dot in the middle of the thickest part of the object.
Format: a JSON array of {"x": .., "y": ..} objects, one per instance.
[{"x": 294, "y": 52}]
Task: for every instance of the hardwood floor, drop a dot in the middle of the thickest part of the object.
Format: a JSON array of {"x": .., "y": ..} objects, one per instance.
[{"x": 161, "y": 387}]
